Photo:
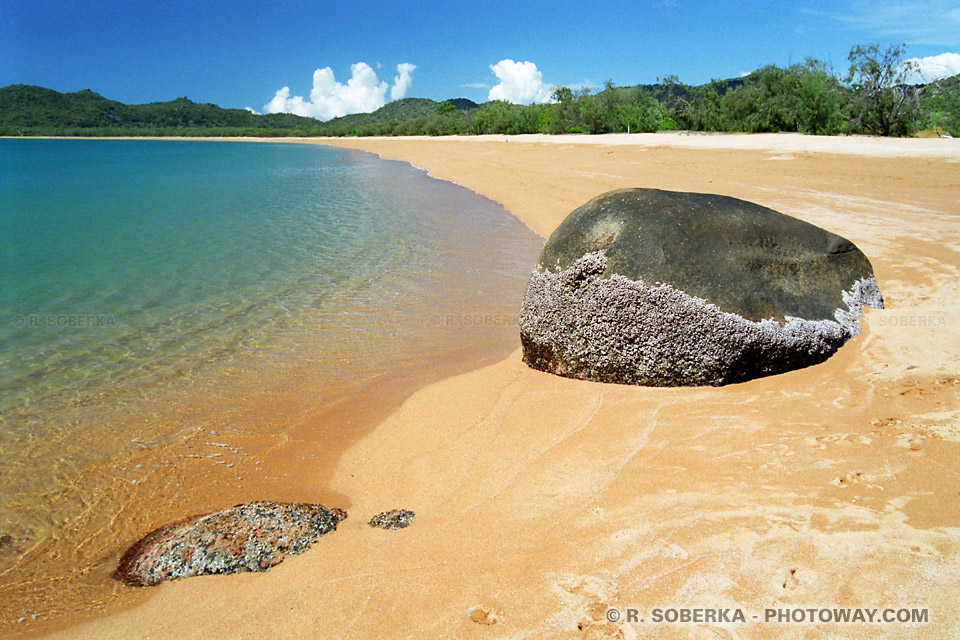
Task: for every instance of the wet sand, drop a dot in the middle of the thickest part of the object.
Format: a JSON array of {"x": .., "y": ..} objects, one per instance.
[
  {"x": 542, "y": 501},
  {"x": 265, "y": 416}
]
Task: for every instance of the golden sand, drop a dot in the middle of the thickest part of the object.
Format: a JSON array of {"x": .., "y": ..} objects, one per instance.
[{"x": 543, "y": 501}]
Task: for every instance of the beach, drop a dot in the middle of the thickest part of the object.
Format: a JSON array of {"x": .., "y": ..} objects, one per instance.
[{"x": 544, "y": 503}]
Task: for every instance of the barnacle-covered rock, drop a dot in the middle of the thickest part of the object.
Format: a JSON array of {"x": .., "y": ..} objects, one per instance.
[
  {"x": 393, "y": 519},
  {"x": 247, "y": 537},
  {"x": 662, "y": 288}
]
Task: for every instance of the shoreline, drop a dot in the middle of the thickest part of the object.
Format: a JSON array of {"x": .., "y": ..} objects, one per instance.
[
  {"x": 872, "y": 146},
  {"x": 267, "y": 420},
  {"x": 543, "y": 500}
]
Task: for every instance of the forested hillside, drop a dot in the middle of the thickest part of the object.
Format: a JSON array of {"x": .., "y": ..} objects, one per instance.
[{"x": 29, "y": 110}]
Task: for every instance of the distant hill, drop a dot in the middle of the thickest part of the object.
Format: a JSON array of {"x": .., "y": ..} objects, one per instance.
[
  {"x": 667, "y": 91},
  {"x": 403, "y": 110},
  {"x": 31, "y": 110}
]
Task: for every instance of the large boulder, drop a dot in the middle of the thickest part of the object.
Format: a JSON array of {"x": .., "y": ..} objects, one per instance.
[
  {"x": 663, "y": 288},
  {"x": 247, "y": 537}
]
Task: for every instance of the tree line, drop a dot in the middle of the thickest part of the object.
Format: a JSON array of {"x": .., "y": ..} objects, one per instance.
[{"x": 874, "y": 97}]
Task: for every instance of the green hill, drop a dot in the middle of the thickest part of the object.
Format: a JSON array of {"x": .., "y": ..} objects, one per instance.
[
  {"x": 29, "y": 110},
  {"x": 398, "y": 111}
]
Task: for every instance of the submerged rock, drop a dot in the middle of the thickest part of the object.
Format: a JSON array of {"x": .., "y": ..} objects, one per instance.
[
  {"x": 393, "y": 519},
  {"x": 247, "y": 537},
  {"x": 662, "y": 288}
]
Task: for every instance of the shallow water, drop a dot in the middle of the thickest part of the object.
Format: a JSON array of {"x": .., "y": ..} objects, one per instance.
[{"x": 185, "y": 325}]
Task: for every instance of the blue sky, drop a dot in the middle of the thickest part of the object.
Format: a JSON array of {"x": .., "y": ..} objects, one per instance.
[{"x": 241, "y": 53}]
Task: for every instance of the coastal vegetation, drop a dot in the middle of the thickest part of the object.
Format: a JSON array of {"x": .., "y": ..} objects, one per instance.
[{"x": 874, "y": 97}]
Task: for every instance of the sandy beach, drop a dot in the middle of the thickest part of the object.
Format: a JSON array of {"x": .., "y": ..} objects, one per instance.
[{"x": 543, "y": 502}]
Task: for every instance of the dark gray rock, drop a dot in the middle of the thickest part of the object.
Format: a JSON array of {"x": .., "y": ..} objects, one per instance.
[
  {"x": 247, "y": 537},
  {"x": 661, "y": 288},
  {"x": 393, "y": 519}
]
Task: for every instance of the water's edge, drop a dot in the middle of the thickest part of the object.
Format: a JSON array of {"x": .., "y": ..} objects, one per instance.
[{"x": 226, "y": 460}]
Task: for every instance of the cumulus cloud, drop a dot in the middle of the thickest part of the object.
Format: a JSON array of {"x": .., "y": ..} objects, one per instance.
[
  {"x": 520, "y": 83},
  {"x": 933, "y": 68},
  {"x": 402, "y": 81},
  {"x": 328, "y": 98}
]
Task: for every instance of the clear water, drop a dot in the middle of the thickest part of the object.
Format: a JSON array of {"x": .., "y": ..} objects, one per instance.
[
  {"x": 177, "y": 319},
  {"x": 123, "y": 258}
]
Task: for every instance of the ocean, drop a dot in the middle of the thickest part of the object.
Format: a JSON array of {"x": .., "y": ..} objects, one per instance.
[{"x": 185, "y": 325}]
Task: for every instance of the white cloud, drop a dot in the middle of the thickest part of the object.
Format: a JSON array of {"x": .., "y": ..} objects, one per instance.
[
  {"x": 363, "y": 93},
  {"x": 520, "y": 83},
  {"x": 402, "y": 81},
  {"x": 933, "y": 68},
  {"x": 476, "y": 85},
  {"x": 251, "y": 110}
]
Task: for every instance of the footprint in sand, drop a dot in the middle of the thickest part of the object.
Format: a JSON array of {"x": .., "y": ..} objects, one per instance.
[
  {"x": 592, "y": 598},
  {"x": 589, "y": 587},
  {"x": 484, "y": 615},
  {"x": 837, "y": 438},
  {"x": 886, "y": 422},
  {"x": 848, "y": 479},
  {"x": 791, "y": 582},
  {"x": 916, "y": 387},
  {"x": 911, "y": 441},
  {"x": 914, "y": 436}
]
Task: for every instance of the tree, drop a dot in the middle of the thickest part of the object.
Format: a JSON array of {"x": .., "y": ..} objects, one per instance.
[
  {"x": 883, "y": 102},
  {"x": 445, "y": 108},
  {"x": 498, "y": 116},
  {"x": 449, "y": 120},
  {"x": 702, "y": 111},
  {"x": 820, "y": 108},
  {"x": 562, "y": 95},
  {"x": 564, "y": 112}
]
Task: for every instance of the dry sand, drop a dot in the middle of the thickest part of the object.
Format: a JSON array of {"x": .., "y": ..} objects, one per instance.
[{"x": 541, "y": 501}]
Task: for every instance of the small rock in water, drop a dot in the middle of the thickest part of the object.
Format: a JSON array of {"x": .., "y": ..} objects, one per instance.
[
  {"x": 247, "y": 537},
  {"x": 393, "y": 519}
]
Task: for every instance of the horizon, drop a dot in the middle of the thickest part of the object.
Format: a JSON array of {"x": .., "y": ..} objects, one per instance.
[{"x": 291, "y": 57}]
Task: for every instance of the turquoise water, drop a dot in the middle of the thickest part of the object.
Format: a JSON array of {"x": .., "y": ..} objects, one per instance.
[
  {"x": 128, "y": 259},
  {"x": 121, "y": 257},
  {"x": 182, "y": 322}
]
